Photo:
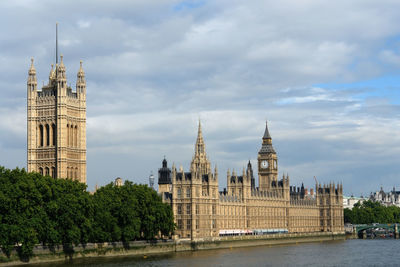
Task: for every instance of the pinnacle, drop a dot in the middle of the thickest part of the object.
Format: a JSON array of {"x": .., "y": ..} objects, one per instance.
[
  {"x": 32, "y": 70},
  {"x": 266, "y": 133}
]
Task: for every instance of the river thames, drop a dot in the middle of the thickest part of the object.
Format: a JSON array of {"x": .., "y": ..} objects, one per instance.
[{"x": 357, "y": 252}]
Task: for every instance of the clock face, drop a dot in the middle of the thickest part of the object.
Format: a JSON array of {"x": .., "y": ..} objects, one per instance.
[{"x": 264, "y": 164}]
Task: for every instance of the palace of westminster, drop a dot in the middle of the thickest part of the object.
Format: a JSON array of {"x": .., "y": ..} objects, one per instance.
[{"x": 56, "y": 133}]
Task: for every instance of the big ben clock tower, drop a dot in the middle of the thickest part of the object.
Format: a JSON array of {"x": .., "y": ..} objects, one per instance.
[{"x": 267, "y": 162}]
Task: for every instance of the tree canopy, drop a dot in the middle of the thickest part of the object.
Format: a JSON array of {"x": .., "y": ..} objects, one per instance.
[
  {"x": 39, "y": 209},
  {"x": 371, "y": 212}
]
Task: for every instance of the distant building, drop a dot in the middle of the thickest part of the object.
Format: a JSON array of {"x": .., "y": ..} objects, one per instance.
[
  {"x": 151, "y": 180},
  {"x": 391, "y": 198},
  {"x": 118, "y": 181},
  {"x": 349, "y": 202},
  {"x": 273, "y": 207}
]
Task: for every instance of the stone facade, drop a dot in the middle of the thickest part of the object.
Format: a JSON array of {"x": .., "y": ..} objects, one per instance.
[
  {"x": 57, "y": 125},
  {"x": 200, "y": 210}
]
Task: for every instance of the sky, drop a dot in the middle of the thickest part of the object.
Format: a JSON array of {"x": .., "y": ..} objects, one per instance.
[{"x": 325, "y": 74}]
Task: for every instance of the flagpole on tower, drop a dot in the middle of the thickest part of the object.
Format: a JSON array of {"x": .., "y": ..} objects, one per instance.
[{"x": 56, "y": 43}]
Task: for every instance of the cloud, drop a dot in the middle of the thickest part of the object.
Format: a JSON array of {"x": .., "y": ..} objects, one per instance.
[{"x": 154, "y": 67}]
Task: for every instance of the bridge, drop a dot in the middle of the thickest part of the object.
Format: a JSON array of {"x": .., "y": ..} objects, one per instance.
[{"x": 359, "y": 229}]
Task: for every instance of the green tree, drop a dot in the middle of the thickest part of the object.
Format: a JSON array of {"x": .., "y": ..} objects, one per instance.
[{"x": 36, "y": 209}]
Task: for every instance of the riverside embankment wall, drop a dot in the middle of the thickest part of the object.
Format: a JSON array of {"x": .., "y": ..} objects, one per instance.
[{"x": 140, "y": 248}]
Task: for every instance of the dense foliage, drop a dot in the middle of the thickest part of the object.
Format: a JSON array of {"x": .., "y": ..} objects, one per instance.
[
  {"x": 371, "y": 212},
  {"x": 36, "y": 209}
]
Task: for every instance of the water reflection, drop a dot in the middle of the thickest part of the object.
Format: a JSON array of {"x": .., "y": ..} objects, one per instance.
[{"x": 332, "y": 253}]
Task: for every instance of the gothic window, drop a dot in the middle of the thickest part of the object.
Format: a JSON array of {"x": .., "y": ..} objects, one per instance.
[
  {"x": 76, "y": 136},
  {"x": 197, "y": 209},
  {"x": 197, "y": 224},
  {"x": 47, "y": 171},
  {"x": 179, "y": 209},
  {"x": 213, "y": 223},
  {"x": 188, "y": 192},
  {"x": 180, "y": 224},
  {"x": 47, "y": 135},
  {"x": 41, "y": 136},
  {"x": 179, "y": 193},
  {"x": 76, "y": 173},
  {"x": 188, "y": 224},
  {"x": 67, "y": 134},
  {"x": 54, "y": 130},
  {"x": 71, "y": 135},
  {"x": 214, "y": 209},
  {"x": 41, "y": 171},
  {"x": 53, "y": 171},
  {"x": 188, "y": 209}
]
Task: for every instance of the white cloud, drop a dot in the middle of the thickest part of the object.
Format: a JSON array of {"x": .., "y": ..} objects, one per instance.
[{"x": 152, "y": 71}]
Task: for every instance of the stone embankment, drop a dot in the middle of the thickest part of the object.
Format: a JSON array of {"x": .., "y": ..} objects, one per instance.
[{"x": 143, "y": 248}]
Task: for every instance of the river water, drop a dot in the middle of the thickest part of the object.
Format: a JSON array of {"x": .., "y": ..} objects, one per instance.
[{"x": 356, "y": 252}]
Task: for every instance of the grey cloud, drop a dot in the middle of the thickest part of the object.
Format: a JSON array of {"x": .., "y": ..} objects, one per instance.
[{"x": 153, "y": 69}]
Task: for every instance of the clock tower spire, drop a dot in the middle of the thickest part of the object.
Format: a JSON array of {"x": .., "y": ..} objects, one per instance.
[{"x": 267, "y": 162}]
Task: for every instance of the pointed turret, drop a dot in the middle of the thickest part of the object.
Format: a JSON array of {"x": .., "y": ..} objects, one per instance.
[
  {"x": 266, "y": 132},
  {"x": 32, "y": 81},
  {"x": 250, "y": 175},
  {"x": 216, "y": 173},
  {"x": 80, "y": 81},
  {"x": 32, "y": 74},
  {"x": 199, "y": 149},
  {"x": 52, "y": 74},
  {"x": 60, "y": 70},
  {"x": 267, "y": 142},
  {"x": 200, "y": 164},
  {"x": 32, "y": 71}
]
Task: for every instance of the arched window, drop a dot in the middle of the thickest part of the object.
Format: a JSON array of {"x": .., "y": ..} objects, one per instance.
[
  {"x": 76, "y": 173},
  {"x": 71, "y": 135},
  {"x": 67, "y": 134},
  {"x": 47, "y": 171},
  {"x": 54, "y": 130},
  {"x": 47, "y": 135},
  {"x": 41, "y": 171},
  {"x": 40, "y": 135},
  {"x": 53, "y": 171},
  {"x": 76, "y": 136}
]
